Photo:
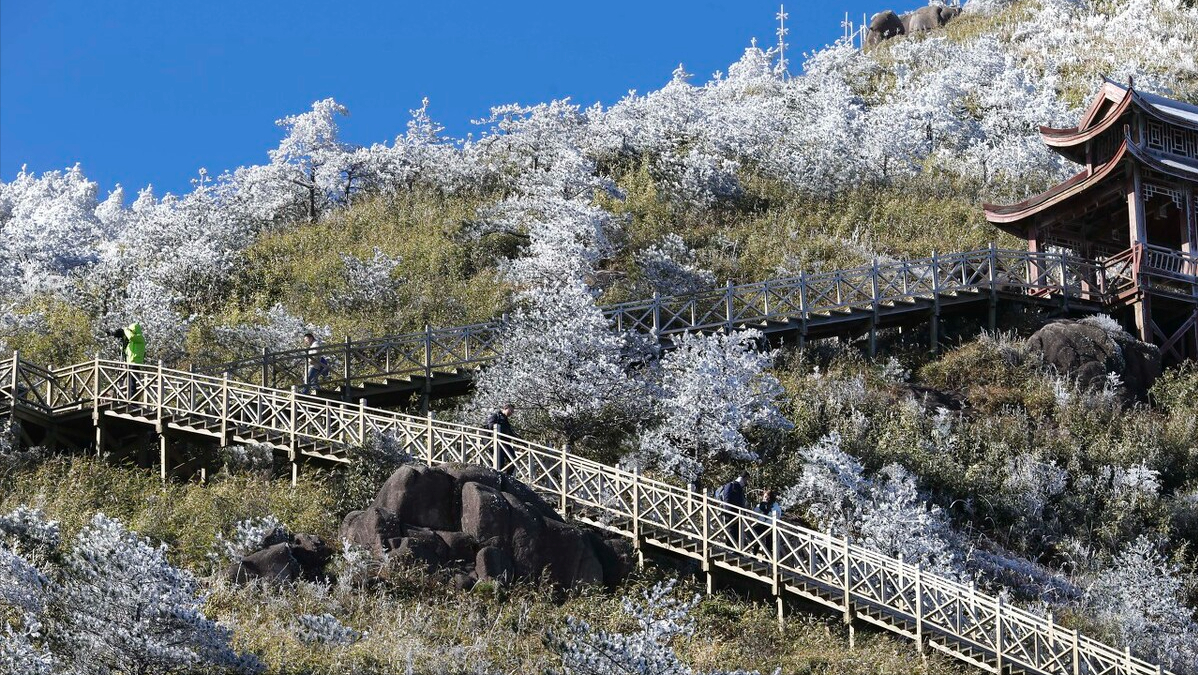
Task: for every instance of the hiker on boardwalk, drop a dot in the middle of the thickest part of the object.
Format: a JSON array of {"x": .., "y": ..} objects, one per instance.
[
  {"x": 133, "y": 346},
  {"x": 318, "y": 366},
  {"x": 768, "y": 509},
  {"x": 733, "y": 494},
  {"x": 500, "y": 421}
]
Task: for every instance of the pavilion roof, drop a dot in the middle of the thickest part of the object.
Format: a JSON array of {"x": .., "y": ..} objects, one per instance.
[{"x": 1110, "y": 105}]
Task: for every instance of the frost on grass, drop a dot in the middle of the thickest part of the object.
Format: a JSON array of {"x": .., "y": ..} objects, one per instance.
[{"x": 663, "y": 621}]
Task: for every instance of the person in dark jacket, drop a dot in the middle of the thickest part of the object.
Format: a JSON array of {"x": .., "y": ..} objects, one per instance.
[
  {"x": 733, "y": 494},
  {"x": 500, "y": 422}
]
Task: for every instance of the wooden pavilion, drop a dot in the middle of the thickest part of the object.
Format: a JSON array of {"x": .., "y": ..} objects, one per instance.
[{"x": 1132, "y": 209}]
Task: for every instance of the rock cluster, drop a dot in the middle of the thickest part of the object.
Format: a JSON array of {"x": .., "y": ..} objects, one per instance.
[
  {"x": 281, "y": 558},
  {"x": 1089, "y": 349},
  {"x": 482, "y": 526}
]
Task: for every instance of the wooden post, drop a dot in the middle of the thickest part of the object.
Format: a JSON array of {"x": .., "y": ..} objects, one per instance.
[
  {"x": 95, "y": 405},
  {"x": 919, "y": 607},
  {"x": 428, "y": 441},
  {"x": 162, "y": 456},
  {"x": 998, "y": 636},
  {"x": 361, "y": 421},
  {"x": 1077, "y": 662},
  {"x": 706, "y": 541},
  {"x": 873, "y": 322},
  {"x": 728, "y": 307},
  {"x": 934, "y": 324},
  {"x": 656, "y": 314},
  {"x": 564, "y": 475},
  {"x": 495, "y": 447},
  {"x": 846, "y": 587},
  {"x": 266, "y": 367},
  {"x": 224, "y": 410},
  {"x": 776, "y": 576},
  {"x": 291, "y": 451},
  {"x": 636, "y": 516},
  {"x": 993, "y": 264},
  {"x": 159, "y": 402},
  {"x": 802, "y": 310},
  {"x": 428, "y": 368}
]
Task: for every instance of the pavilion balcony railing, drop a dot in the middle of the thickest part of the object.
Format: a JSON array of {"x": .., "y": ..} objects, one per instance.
[
  {"x": 791, "y": 300},
  {"x": 1171, "y": 264},
  {"x": 942, "y": 612}
]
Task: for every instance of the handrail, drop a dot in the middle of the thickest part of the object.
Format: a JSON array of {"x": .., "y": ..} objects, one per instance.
[
  {"x": 951, "y": 616},
  {"x": 785, "y": 299}
]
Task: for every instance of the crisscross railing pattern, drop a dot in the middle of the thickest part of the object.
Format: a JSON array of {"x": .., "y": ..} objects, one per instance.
[
  {"x": 943, "y": 613},
  {"x": 791, "y": 300}
]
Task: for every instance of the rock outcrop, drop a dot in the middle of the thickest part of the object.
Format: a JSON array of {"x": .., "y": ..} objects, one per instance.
[
  {"x": 282, "y": 558},
  {"x": 1090, "y": 349},
  {"x": 480, "y": 525}
]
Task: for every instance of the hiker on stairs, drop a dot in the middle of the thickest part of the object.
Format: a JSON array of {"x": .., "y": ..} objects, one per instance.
[
  {"x": 318, "y": 366},
  {"x": 733, "y": 494},
  {"x": 500, "y": 421},
  {"x": 133, "y": 345}
]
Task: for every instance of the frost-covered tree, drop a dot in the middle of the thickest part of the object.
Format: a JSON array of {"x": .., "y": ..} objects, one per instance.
[
  {"x": 313, "y": 159},
  {"x": 670, "y": 268},
  {"x": 48, "y": 227},
  {"x": 562, "y": 365},
  {"x": 713, "y": 391},
  {"x": 369, "y": 283},
  {"x": 124, "y": 608},
  {"x": 663, "y": 621},
  {"x": 885, "y": 513},
  {"x": 1140, "y": 598}
]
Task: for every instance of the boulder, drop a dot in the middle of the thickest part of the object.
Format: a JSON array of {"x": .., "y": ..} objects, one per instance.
[
  {"x": 273, "y": 563},
  {"x": 420, "y": 496},
  {"x": 476, "y": 524},
  {"x": 485, "y": 513},
  {"x": 312, "y": 554},
  {"x": 494, "y": 564},
  {"x": 1088, "y": 350},
  {"x": 372, "y": 529}
]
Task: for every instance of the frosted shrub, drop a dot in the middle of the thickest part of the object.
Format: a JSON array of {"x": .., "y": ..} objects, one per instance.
[
  {"x": 325, "y": 629},
  {"x": 671, "y": 269},
  {"x": 562, "y": 365},
  {"x": 369, "y": 283},
  {"x": 1139, "y": 598},
  {"x": 712, "y": 391},
  {"x": 251, "y": 535},
  {"x": 352, "y": 567},
  {"x": 663, "y": 620},
  {"x": 253, "y": 458},
  {"x": 1030, "y": 483},
  {"x": 124, "y": 608},
  {"x": 26, "y": 530},
  {"x": 895, "y": 521},
  {"x": 273, "y": 329},
  {"x": 833, "y": 487},
  {"x": 893, "y": 371}
]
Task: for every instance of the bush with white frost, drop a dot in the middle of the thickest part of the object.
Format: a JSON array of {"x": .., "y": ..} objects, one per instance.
[
  {"x": 1140, "y": 599},
  {"x": 112, "y": 603},
  {"x": 712, "y": 393},
  {"x": 663, "y": 621}
]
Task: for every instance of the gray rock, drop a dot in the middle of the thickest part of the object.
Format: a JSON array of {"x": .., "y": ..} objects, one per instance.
[
  {"x": 372, "y": 529},
  {"x": 274, "y": 564},
  {"x": 494, "y": 564},
  {"x": 485, "y": 512},
  {"x": 1087, "y": 351}
]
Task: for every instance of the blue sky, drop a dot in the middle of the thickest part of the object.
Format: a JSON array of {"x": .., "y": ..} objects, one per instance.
[{"x": 149, "y": 92}]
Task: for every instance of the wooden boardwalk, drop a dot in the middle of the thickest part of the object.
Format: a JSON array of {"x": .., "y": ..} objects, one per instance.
[
  {"x": 784, "y": 558},
  {"x": 843, "y": 303}
]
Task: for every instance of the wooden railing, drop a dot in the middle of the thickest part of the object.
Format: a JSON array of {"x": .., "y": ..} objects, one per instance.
[
  {"x": 1169, "y": 264},
  {"x": 945, "y": 614},
  {"x": 799, "y": 299}
]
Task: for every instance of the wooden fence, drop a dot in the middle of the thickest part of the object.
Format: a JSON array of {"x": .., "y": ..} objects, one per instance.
[
  {"x": 937, "y": 612},
  {"x": 800, "y": 300}
]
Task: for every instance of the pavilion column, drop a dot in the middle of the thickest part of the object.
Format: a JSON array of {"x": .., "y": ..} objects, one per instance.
[
  {"x": 1190, "y": 245},
  {"x": 1033, "y": 263},
  {"x": 1137, "y": 231}
]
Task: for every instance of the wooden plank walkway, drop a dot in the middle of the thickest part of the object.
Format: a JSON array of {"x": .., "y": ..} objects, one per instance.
[
  {"x": 850, "y": 302},
  {"x": 785, "y": 558}
]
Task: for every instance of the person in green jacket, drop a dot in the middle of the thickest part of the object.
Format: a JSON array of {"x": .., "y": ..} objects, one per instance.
[{"x": 133, "y": 342}]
